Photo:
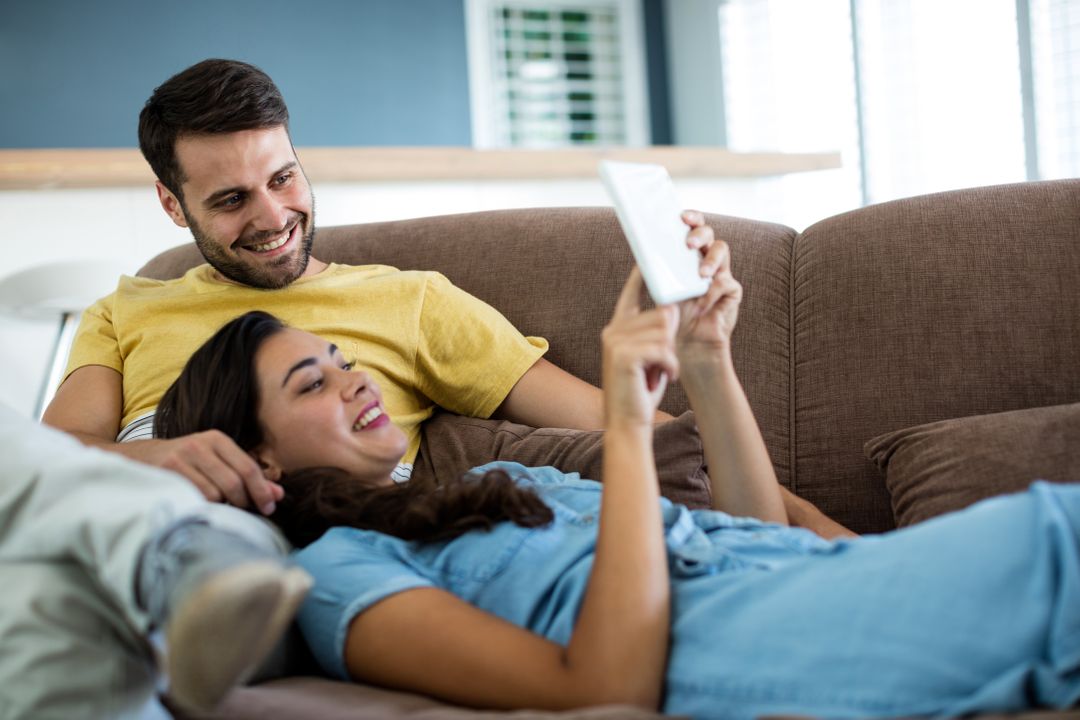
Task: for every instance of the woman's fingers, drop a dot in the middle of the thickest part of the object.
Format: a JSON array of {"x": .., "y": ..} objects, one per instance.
[
  {"x": 715, "y": 254},
  {"x": 716, "y": 259},
  {"x": 629, "y": 302}
]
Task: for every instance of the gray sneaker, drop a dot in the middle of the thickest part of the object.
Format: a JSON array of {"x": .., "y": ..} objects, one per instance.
[
  {"x": 224, "y": 628},
  {"x": 224, "y": 604}
]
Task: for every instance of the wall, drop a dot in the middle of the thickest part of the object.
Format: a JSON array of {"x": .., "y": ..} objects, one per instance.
[{"x": 355, "y": 72}]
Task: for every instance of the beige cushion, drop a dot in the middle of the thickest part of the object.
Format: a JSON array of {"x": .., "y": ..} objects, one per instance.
[{"x": 944, "y": 466}]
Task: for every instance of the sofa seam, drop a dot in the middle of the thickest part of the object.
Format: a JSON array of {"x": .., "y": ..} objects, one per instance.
[{"x": 792, "y": 257}]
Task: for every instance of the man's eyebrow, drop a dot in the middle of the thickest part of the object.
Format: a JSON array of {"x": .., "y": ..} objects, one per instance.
[
  {"x": 226, "y": 192},
  {"x": 306, "y": 362}
]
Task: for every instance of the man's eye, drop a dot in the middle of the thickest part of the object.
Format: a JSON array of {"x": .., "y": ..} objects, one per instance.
[
  {"x": 282, "y": 179},
  {"x": 231, "y": 201},
  {"x": 348, "y": 366}
]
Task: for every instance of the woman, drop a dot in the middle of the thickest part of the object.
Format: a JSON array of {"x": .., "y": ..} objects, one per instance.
[{"x": 519, "y": 587}]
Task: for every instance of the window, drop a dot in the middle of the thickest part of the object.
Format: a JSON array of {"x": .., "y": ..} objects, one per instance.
[
  {"x": 551, "y": 74},
  {"x": 940, "y": 95},
  {"x": 1055, "y": 50},
  {"x": 918, "y": 95}
]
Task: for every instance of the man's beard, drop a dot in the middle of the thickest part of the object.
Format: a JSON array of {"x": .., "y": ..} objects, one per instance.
[{"x": 272, "y": 276}]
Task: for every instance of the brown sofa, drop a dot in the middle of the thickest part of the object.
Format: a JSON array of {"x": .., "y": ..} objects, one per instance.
[{"x": 881, "y": 350}]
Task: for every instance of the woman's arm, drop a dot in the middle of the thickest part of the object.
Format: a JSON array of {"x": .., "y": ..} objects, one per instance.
[
  {"x": 740, "y": 470},
  {"x": 428, "y": 641}
]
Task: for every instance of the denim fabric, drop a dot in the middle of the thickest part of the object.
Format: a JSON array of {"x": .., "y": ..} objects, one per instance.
[{"x": 975, "y": 611}]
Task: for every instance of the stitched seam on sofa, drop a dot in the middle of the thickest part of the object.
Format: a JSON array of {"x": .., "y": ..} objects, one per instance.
[{"x": 793, "y": 477}]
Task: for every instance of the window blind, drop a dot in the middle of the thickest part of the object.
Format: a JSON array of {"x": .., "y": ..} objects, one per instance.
[{"x": 558, "y": 73}]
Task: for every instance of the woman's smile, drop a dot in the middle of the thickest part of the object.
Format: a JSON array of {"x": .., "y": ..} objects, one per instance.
[{"x": 372, "y": 416}]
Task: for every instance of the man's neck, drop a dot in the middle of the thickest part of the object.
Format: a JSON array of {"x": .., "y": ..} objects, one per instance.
[{"x": 314, "y": 267}]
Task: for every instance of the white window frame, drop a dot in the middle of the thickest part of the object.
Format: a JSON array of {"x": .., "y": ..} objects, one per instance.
[{"x": 632, "y": 51}]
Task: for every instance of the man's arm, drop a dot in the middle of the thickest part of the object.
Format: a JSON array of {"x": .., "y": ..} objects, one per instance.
[
  {"x": 548, "y": 396},
  {"x": 89, "y": 405}
]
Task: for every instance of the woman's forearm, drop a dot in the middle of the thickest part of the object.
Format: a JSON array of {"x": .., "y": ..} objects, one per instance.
[
  {"x": 740, "y": 470},
  {"x": 620, "y": 641}
]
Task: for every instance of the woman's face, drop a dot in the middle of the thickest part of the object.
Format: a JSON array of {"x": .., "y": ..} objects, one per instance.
[{"x": 316, "y": 411}]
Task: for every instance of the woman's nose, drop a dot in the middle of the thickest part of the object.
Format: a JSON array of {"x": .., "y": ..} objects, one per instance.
[{"x": 354, "y": 383}]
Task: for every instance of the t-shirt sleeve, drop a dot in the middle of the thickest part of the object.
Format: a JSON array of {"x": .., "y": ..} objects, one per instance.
[
  {"x": 353, "y": 570},
  {"x": 469, "y": 356},
  {"x": 95, "y": 341}
]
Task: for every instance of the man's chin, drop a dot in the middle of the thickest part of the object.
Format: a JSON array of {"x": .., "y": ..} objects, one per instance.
[{"x": 271, "y": 276}]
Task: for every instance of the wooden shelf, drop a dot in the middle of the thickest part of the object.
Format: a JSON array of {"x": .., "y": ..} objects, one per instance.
[{"x": 123, "y": 167}]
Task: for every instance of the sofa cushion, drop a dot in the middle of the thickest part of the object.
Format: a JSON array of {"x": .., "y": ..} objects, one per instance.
[
  {"x": 451, "y": 445},
  {"x": 945, "y": 466}
]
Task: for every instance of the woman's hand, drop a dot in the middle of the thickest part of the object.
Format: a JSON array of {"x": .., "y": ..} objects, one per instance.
[
  {"x": 638, "y": 357},
  {"x": 707, "y": 322}
]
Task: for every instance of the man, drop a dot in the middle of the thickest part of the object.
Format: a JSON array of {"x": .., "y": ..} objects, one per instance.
[{"x": 216, "y": 135}]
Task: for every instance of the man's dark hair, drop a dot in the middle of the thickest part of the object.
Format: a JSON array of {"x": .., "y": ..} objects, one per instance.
[{"x": 210, "y": 97}]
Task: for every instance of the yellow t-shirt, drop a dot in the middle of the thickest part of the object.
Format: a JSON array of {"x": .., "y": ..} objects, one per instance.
[{"x": 424, "y": 341}]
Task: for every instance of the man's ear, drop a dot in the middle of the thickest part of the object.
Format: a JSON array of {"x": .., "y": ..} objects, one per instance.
[
  {"x": 271, "y": 469},
  {"x": 170, "y": 204}
]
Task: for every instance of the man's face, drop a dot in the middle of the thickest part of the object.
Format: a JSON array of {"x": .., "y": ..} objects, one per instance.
[{"x": 247, "y": 203}]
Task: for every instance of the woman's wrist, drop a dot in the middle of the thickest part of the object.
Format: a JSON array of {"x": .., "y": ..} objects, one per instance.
[
  {"x": 630, "y": 427},
  {"x": 704, "y": 367}
]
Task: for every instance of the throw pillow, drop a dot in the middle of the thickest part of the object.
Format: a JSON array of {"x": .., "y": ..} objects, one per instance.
[
  {"x": 451, "y": 445},
  {"x": 944, "y": 466}
]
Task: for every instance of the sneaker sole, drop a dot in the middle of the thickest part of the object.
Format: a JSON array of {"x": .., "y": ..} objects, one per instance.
[{"x": 227, "y": 627}]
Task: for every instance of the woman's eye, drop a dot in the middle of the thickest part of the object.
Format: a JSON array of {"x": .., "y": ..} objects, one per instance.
[
  {"x": 348, "y": 366},
  {"x": 312, "y": 386}
]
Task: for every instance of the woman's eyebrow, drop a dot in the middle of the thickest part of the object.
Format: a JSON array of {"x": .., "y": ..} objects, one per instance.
[{"x": 332, "y": 348}]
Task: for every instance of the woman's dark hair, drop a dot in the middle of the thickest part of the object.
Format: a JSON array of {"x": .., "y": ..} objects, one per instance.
[
  {"x": 210, "y": 97},
  {"x": 218, "y": 390}
]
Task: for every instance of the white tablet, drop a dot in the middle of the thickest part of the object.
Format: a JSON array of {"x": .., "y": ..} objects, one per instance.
[{"x": 650, "y": 215}]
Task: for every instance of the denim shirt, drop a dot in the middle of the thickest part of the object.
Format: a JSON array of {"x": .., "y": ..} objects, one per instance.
[
  {"x": 532, "y": 577},
  {"x": 976, "y": 611}
]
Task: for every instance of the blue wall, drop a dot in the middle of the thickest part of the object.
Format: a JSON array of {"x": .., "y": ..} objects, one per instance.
[{"x": 75, "y": 73}]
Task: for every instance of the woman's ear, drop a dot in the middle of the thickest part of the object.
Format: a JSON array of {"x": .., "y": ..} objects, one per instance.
[{"x": 270, "y": 468}]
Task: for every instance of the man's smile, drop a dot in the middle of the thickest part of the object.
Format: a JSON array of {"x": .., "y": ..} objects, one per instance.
[{"x": 274, "y": 246}]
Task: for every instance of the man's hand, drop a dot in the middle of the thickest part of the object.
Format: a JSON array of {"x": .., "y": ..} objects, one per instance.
[
  {"x": 216, "y": 466},
  {"x": 88, "y": 405}
]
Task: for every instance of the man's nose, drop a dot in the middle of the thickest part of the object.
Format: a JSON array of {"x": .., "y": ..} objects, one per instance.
[{"x": 269, "y": 213}]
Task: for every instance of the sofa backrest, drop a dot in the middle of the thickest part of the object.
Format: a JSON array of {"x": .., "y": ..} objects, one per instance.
[
  {"x": 886, "y": 317},
  {"x": 923, "y": 309}
]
